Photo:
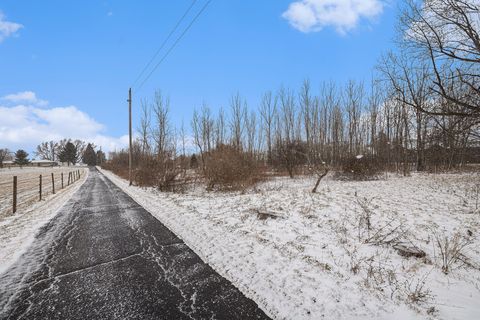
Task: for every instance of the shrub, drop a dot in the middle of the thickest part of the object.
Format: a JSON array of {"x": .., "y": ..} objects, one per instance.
[
  {"x": 162, "y": 172},
  {"x": 145, "y": 174},
  {"x": 360, "y": 168},
  {"x": 193, "y": 162},
  {"x": 451, "y": 250},
  {"x": 290, "y": 155},
  {"x": 118, "y": 163},
  {"x": 228, "y": 168}
]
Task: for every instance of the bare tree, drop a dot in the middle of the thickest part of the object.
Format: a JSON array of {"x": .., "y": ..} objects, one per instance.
[
  {"x": 238, "y": 113},
  {"x": 203, "y": 129},
  {"x": 448, "y": 33},
  {"x": 374, "y": 101},
  {"x": 47, "y": 150},
  {"x": 353, "y": 100},
  {"x": 251, "y": 129},
  {"x": 197, "y": 136},
  {"x": 268, "y": 110},
  {"x": 410, "y": 82},
  {"x": 145, "y": 128},
  {"x": 288, "y": 114},
  {"x": 207, "y": 126},
  {"x": 4, "y": 154},
  {"x": 221, "y": 128},
  {"x": 161, "y": 131},
  {"x": 307, "y": 109}
]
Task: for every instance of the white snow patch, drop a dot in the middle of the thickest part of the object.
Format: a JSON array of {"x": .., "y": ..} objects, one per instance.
[{"x": 314, "y": 262}]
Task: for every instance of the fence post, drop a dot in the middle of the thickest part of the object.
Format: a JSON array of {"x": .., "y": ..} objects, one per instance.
[
  {"x": 53, "y": 184},
  {"x": 61, "y": 174},
  {"x": 40, "y": 188},
  {"x": 68, "y": 183},
  {"x": 14, "y": 194}
]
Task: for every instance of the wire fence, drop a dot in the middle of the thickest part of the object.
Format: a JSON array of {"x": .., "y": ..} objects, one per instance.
[{"x": 19, "y": 191}]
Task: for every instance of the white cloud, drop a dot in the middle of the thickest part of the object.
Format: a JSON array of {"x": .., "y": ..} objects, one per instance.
[
  {"x": 343, "y": 15},
  {"x": 7, "y": 28},
  {"x": 25, "y": 97},
  {"x": 24, "y": 126}
]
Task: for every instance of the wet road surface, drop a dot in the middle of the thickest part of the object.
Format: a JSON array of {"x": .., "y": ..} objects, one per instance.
[{"x": 105, "y": 257}]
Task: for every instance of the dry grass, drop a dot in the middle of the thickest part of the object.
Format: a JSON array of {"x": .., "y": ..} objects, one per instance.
[{"x": 28, "y": 185}]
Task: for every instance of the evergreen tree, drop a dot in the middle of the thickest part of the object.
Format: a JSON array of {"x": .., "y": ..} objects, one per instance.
[
  {"x": 69, "y": 154},
  {"x": 21, "y": 157},
  {"x": 89, "y": 156}
]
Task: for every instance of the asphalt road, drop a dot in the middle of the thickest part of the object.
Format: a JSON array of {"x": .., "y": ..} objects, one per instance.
[{"x": 105, "y": 257}]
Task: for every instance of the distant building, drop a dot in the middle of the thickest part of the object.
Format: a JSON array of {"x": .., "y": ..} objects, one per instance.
[
  {"x": 33, "y": 163},
  {"x": 43, "y": 163}
]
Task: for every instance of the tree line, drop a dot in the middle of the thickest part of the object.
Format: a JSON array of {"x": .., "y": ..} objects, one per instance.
[
  {"x": 70, "y": 152},
  {"x": 420, "y": 111},
  {"x": 66, "y": 151}
]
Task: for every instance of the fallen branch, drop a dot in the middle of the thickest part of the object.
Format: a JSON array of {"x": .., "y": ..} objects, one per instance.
[{"x": 263, "y": 215}]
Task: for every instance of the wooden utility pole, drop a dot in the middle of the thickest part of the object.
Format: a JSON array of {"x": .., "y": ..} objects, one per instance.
[{"x": 130, "y": 135}]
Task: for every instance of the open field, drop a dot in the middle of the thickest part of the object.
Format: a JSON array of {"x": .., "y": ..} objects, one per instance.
[
  {"x": 334, "y": 254},
  {"x": 28, "y": 180}
]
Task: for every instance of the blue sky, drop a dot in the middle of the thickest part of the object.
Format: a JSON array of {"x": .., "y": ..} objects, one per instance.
[{"x": 66, "y": 66}]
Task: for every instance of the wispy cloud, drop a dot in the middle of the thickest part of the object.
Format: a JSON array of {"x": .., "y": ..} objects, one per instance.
[
  {"x": 343, "y": 15},
  {"x": 7, "y": 28},
  {"x": 26, "y": 124}
]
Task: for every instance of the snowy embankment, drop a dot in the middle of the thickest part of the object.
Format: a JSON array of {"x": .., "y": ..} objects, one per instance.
[
  {"x": 17, "y": 231},
  {"x": 331, "y": 255}
]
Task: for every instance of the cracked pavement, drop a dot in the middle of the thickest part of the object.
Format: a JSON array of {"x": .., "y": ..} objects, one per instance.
[{"x": 105, "y": 257}]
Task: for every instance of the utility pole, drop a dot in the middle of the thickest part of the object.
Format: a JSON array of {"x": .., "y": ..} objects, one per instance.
[{"x": 130, "y": 135}]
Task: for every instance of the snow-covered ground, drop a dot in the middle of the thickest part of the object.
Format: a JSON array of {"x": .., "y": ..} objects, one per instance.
[
  {"x": 17, "y": 231},
  {"x": 330, "y": 255}
]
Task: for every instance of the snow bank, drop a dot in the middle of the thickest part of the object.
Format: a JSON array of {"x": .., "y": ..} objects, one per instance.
[{"x": 319, "y": 259}]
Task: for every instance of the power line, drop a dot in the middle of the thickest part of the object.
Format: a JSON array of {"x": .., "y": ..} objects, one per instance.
[
  {"x": 165, "y": 41},
  {"x": 175, "y": 43}
]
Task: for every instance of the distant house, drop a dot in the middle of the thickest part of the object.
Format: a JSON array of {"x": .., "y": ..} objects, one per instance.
[
  {"x": 33, "y": 163},
  {"x": 8, "y": 163},
  {"x": 43, "y": 163}
]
